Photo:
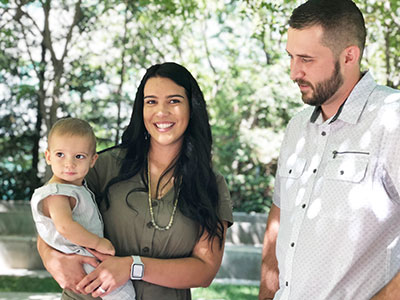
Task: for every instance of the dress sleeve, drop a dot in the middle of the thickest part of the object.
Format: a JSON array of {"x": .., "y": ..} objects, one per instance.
[
  {"x": 93, "y": 179},
  {"x": 225, "y": 203},
  {"x": 106, "y": 168}
]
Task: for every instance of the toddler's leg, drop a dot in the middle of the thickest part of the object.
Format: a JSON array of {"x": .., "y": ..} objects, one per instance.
[{"x": 124, "y": 292}]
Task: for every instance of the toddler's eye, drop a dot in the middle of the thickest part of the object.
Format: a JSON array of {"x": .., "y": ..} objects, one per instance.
[
  {"x": 80, "y": 156},
  {"x": 60, "y": 154}
]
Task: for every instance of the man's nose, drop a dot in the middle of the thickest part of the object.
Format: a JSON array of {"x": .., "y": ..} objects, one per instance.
[{"x": 296, "y": 71}]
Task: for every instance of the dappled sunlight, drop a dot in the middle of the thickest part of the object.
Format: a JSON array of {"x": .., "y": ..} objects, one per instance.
[
  {"x": 366, "y": 139},
  {"x": 364, "y": 198},
  {"x": 300, "y": 196},
  {"x": 293, "y": 159},
  {"x": 300, "y": 144},
  {"x": 390, "y": 119},
  {"x": 3, "y": 265},
  {"x": 392, "y": 98},
  {"x": 314, "y": 209}
]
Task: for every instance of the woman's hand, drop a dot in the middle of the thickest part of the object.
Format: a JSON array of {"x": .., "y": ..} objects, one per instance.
[
  {"x": 111, "y": 273},
  {"x": 66, "y": 269}
]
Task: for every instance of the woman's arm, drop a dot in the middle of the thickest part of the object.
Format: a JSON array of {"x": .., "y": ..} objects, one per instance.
[
  {"x": 66, "y": 269},
  {"x": 198, "y": 270}
]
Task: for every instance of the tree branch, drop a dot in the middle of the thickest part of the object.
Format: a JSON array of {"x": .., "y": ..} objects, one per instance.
[{"x": 76, "y": 20}]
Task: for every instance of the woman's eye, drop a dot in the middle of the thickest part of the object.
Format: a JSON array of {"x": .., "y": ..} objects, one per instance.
[
  {"x": 175, "y": 101},
  {"x": 149, "y": 102}
]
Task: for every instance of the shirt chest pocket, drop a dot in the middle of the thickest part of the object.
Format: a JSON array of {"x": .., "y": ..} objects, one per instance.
[
  {"x": 290, "y": 174},
  {"x": 347, "y": 168},
  {"x": 292, "y": 169}
]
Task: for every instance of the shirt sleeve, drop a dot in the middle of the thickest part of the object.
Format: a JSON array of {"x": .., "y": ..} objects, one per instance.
[
  {"x": 225, "y": 203},
  {"x": 390, "y": 147},
  {"x": 276, "y": 199}
]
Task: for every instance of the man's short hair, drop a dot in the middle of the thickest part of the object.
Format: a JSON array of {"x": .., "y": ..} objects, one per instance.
[
  {"x": 341, "y": 20},
  {"x": 73, "y": 127}
]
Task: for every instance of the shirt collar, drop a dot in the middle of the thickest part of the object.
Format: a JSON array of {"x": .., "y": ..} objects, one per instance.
[{"x": 351, "y": 110}]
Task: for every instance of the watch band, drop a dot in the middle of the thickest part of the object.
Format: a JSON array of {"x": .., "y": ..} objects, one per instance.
[
  {"x": 136, "y": 260},
  {"x": 137, "y": 268}
]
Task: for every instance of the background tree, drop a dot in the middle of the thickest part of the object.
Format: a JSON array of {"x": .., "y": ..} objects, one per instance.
[{"x": 85, "y": 59}]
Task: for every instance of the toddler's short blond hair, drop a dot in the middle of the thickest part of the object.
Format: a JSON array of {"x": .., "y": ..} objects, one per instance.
[{"x": 73, "y": 127}]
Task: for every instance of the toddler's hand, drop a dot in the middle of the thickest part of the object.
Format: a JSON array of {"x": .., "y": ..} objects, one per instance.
[{"x": 105, "y": 247}]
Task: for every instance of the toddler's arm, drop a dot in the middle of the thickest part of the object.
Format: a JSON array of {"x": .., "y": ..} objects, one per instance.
[{"x": 59, "y": 208}]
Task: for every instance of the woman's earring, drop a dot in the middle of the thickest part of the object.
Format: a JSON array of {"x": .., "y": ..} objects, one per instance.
[{"x": 146, "y": 135}]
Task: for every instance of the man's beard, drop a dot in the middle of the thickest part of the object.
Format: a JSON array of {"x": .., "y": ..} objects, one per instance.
[{"x": 323, "y": 90}]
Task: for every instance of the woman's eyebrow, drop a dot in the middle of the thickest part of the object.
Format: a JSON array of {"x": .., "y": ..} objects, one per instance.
[
  {"x": 169, "y": 96},
  {"x": 175, "y": 95}
]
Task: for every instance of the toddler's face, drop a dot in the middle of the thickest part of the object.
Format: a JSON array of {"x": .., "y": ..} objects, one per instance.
[{"x": 70, "y": 158}]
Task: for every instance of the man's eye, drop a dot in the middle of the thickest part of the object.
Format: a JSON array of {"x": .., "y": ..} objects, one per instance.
[{"x": 60, "y": 154}]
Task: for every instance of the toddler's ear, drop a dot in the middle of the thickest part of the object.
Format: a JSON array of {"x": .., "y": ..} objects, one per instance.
[
  {"x": 47, "y": 156},
  {"x": 94, "y": 158}
]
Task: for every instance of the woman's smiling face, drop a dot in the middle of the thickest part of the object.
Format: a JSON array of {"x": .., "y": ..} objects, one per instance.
[{"x": 166, "y": 111}]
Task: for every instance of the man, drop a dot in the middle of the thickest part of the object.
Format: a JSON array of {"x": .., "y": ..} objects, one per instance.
[{"x": 333, "y": 231}]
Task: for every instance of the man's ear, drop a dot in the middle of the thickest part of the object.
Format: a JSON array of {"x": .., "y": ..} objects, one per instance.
[{"x": 352, "y": 55}]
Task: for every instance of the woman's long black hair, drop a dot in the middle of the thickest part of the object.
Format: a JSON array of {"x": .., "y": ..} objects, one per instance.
[{"x": 195, "y": 182}]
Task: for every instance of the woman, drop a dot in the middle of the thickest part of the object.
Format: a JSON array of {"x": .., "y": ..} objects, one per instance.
[{"x": 159, "y": 197}]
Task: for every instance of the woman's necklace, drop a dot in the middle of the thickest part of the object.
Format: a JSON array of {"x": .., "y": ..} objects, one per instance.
[{"x": 153, "y": 221}]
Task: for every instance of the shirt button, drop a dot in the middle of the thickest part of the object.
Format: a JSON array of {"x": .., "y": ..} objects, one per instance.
[
  {"x": 146, "y": 249},
  {"x": 315, "y": 171},
  {"x": 341, "y": 172},
  {"x": 290, "y": 171},
  {"x": 323, "y": 133},
  {"x": 287, "y": 283},
  {"x": 303, "y": 206},
  {"x": 149, "y": 225},
  {"x": 292, "y": 244}
]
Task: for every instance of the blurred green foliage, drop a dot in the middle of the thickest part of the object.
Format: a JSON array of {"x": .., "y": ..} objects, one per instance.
[{"x": 85, "y": 59}]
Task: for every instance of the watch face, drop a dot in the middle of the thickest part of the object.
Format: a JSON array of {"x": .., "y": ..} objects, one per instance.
[{"x": 137, "y": 271}]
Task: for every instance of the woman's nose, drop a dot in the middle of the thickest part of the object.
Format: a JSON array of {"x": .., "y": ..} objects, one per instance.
[{"x": 162, "y": 109}]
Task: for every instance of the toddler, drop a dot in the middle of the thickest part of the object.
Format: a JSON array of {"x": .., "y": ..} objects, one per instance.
[{"x": 64, "y": 210}]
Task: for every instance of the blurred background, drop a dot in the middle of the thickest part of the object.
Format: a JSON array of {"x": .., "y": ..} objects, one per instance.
[{"x": 85, "y": 59}]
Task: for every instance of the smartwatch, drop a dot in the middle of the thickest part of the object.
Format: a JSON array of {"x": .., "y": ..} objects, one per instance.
[{"x": 137, "y": 268}]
